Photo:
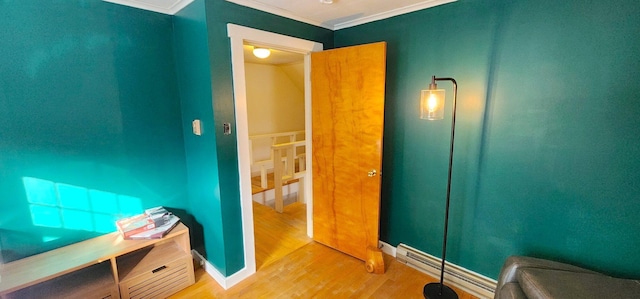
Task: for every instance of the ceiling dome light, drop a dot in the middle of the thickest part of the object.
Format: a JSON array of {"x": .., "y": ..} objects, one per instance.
[
  {"x": 261, "y": 52},
  {"x": 326, "y": 1}
]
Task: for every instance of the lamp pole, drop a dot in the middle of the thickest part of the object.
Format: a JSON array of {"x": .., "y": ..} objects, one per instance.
[{"x": 439, "y": 290}]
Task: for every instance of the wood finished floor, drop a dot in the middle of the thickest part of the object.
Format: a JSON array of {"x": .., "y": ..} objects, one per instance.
[
  {"x": 290, "y": 265},
  {"x": 279, "y": 234},
  {"x": 255, "y": 183}
]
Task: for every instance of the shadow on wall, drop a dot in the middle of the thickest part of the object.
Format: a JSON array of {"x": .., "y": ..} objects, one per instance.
[{"x": 196, "y": 232}]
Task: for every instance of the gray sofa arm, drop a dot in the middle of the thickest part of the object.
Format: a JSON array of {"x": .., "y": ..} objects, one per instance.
[{"x": 508, "y": 273}]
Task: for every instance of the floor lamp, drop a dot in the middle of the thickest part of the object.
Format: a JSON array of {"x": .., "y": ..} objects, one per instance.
[{"x": 432, "y": 108}]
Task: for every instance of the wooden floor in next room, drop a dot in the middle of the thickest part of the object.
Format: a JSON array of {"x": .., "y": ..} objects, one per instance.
[{"x": 291, "y": 265}]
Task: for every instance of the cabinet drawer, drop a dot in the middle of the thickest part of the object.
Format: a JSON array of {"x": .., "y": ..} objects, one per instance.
[
  {"x": 160, "y": 282},
  {"x": 155, "y": 272}
]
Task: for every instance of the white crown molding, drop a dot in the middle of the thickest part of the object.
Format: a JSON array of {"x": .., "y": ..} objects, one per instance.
[
  {"x": 391, "y": 13},
  {"x": 172, "y": 9},
  {"x": 359, "y": 21},
  {"x": 278, "y": 11},
  {"x": 175, "y": 6}
]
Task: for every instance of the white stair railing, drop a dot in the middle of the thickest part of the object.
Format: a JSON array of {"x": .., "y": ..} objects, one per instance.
[
  {"x": 261, "y": 153},
  {"x": 285, "y": 170}
]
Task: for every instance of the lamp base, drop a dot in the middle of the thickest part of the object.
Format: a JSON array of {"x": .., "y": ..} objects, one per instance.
[{"x": 437, "y": 291}]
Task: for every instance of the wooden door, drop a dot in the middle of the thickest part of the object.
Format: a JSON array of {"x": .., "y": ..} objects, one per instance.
[{"x": 348, "y": 87}]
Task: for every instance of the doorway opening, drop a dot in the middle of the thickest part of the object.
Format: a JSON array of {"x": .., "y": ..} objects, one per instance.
[
  {"x": 275, "y": 114},
  {"x": 240, "y": 36}
]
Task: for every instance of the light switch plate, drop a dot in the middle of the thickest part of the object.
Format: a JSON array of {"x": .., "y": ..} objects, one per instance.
[{"x": 197, "y": 127}]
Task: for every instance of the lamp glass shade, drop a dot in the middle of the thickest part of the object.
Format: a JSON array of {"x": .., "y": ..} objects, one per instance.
[
  {"x": 261, "y": 52},
  {"x": 432, "y": 104}
]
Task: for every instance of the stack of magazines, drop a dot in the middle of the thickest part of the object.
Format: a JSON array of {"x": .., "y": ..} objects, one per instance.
[{"x": 154, "y": 223}]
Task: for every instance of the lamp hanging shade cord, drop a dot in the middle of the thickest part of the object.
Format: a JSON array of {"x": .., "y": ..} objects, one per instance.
[{"x": 432, "y": 290}]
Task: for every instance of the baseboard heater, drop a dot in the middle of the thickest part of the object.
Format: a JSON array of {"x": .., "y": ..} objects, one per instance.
[{"x": 471, "y": 282}]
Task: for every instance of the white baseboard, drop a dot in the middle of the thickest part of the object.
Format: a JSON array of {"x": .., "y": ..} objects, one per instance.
[
  {"x": 224, "y": 282},
  {"x": 464, "y": 279},
  {"x": 387, "y": 248}
]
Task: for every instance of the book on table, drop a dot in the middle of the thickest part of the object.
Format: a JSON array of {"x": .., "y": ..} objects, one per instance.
[
  {"x": 149, "y": 220},
  {"x": 134, "y": 225},
  {"x": 157, "y": 232}
]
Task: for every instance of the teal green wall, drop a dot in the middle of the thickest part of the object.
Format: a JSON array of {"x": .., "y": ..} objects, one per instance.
[
  {"x": 89, "y": 110},
  {"x": 212, "y": 157},
  {"x": 547, "y": 158},
  {"x": 92, "y": 95},
  {"x": 194, "y": 74}
]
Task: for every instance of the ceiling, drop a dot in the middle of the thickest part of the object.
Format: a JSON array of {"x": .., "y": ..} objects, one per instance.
[
  {"x": 169, "y": 7},
  {"x": 341, "y": 14}
]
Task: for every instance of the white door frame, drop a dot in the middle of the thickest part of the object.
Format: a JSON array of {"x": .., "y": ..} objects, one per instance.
[{"x": 239, "y": 35}]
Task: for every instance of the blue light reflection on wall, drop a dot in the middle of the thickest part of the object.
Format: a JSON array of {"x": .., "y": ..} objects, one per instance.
[{"x": 58, "y": 205}]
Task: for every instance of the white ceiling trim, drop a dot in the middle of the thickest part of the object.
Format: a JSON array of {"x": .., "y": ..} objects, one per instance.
[
  {"x": 359, "y": 21},
  {"x": 169, "y": 7},
  {"x": 278, "y": 11},
  {"x": 391, "y": 13}
]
